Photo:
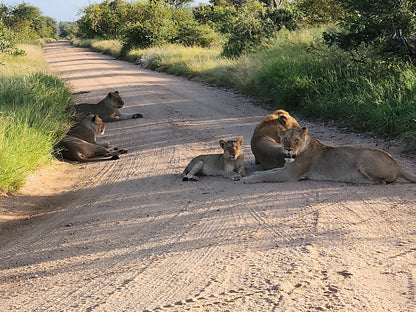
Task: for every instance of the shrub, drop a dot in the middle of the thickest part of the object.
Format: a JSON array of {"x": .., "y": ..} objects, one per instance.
[
  {"x": 192, "y": 33},
  {"x": 157, "y": 23},
  {"x": 7, "y": 41},
  {"x": 253, "y": 25}
]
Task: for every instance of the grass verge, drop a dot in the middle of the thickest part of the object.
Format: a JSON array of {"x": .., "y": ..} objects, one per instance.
[{"x": 32, "y": 116}]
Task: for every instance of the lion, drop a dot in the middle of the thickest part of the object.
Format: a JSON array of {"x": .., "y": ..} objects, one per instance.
[
  {"x": 80, "y": 143},
  {"x": 229, "y": 164},
  {"x": 107, "y": 109},
  {"x": 316, "y": 161},
  {"x": 265, "y": 142}
]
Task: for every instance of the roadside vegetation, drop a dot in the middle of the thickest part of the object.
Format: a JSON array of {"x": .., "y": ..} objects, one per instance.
[{"x": 32, "y": 101}]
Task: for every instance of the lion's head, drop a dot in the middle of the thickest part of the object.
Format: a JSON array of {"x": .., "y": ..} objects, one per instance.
[
  {"x": 93, "y": 122},
  {"x": 232, "y": 148},
  {"x": 293, "y": 141},
  {"x": 115, "y": 98}
]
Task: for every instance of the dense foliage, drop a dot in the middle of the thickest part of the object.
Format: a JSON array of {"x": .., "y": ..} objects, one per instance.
[
  {"x": 142, "y": 24},
  {"x": 8, "y": 41},
  {"x": 380, "y": 23},
  {"x": 66, "y": 29},
  {"x": 27, "y": 22}
]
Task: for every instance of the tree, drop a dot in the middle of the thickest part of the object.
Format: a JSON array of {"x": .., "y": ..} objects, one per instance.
[
  {"x": 27, "y": 21},
  {"x": 7, "y": 41},
  {"x": 66, "y": 29},
  {"x": 373, "y": 22},
  {"x": 319, "y": 11}
]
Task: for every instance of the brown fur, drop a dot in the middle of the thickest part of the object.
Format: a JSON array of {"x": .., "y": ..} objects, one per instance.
[
  {"x": 229, "y": 164},
  {"x": 316, "y": 161},
  {"x": 107, "y": 109},
  {"x": 80, "y": 142},
  {"x": 265, "y": 142}
]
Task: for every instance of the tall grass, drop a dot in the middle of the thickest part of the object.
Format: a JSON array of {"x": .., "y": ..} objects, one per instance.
[
  {"x": 298, "y": 72},
  {"x": 302, "y": 74},
  {"x": 32, "y": 116}
]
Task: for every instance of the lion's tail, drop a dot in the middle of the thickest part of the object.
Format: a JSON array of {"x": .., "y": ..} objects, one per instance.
[{"x": 405, "y": 175}]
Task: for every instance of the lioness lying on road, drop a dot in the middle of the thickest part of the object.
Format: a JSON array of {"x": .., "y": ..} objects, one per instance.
[
  {"x": 230, "y": 164},
  {"x": 316, "y": 161},
  {"x": 80, "y": 142},
  {"x": 265, "y": 142},
  {"x": 107, "y": 109}
]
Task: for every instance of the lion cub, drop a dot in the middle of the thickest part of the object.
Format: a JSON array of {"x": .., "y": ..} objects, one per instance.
[{"x": 230, "y": 164}]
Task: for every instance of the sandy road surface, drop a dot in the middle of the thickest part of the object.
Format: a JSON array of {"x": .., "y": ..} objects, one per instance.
[{"x": 131, "y": 236}]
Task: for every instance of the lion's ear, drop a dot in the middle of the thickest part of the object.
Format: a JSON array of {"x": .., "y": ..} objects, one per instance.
[
  {"x": 116, "y": 92},
  {"x": 282, "y": 120},
  {"x": 222, "y": 143},
  {"x": 240, "y": 140},
  {"x": 304, "y": 131},
  {"x": 110, "y": 94}
]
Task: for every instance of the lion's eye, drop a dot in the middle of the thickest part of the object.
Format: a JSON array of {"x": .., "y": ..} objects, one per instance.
[
  {"x": 285, "y": 141},
  {"x": 296, "y": 141}
]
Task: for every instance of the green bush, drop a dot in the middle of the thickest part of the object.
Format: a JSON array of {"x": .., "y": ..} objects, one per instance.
[
  {"x": 27, "y": 22},
  {"x": 7, "y": 41},
  {"x": 157, "y": 23},
  {"x": 246, "y": 33},
  {"x": 374, "y": 24},
  {"x": 191, "y": 33},
  {"x": 253, "y": 24},
  {"x": 153, "y": 25},
  {"x": 219, "y": 17}
]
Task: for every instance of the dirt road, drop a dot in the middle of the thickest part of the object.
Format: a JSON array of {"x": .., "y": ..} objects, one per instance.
[{"x": 129, "y": 235}]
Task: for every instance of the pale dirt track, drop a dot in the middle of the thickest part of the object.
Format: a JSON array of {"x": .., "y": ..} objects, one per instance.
[{"x": 131, "y": 236}]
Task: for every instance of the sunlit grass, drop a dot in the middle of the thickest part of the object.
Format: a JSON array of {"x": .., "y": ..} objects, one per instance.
[{"x": 33, "y": 115}]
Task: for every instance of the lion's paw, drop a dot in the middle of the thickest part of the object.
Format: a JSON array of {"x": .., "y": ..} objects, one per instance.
[{"x": 237, "y": 178}]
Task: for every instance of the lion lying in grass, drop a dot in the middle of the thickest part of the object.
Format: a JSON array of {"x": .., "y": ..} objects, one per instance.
[{"x": 316, "y": 161}]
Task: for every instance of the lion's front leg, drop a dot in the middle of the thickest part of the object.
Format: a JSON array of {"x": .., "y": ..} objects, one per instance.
[{"x": 272, "y": 175}]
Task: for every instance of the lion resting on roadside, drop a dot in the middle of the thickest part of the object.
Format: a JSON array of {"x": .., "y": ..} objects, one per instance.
[
  {"x": 230, "y": 164},
  {"x": 107, "y": 109},
  {"x": 316, "y": 161},
  {"x": 265, "y": 142},
  {"x": 80, "y": 143}
]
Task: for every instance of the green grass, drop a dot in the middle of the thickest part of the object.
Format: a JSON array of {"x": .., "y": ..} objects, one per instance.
[
  {"x": 32, "y": 116},
  {"x": 298, "y": 72},
  {"x": 306, "y": 76}
]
